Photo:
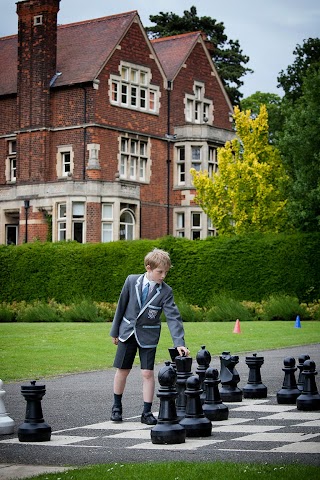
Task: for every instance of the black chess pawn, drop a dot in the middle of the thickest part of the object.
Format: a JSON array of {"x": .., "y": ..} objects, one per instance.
[
  {"x": 203, "y": 359},
  {"x": 213, "y": 408},
  {"x": 289, "y": 392},
  {"x": 195, "y": 422},
  {"x": 302, "y": 358},
  {"x": 34, "y": 428},
  {"x": 229, "y": 376},
  {"x": 183, "y": 366},
  {"x": 254, "y": 388},
  {"x": 168, "y": 429},
  {"x": 309, "y": 398}
]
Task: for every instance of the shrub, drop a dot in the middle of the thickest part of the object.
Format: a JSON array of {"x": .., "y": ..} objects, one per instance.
[
  {"x": 226, "y": 309},
  {"x": 38, "y": 312},
  {"x": 283, "y": 307},
  {"x": 7, "y": 314},
  {"x": 189, "y": 313},
  {"x": 82, "y": 311}
]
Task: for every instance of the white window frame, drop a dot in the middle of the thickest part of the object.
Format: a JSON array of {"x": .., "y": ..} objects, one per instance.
[
  {"x": 127, "y": 229},
  {"x": 132, "y": 89},
  {"x": 107, "y": 222},
  {"x": 180, "y": 224},
  {"x": 64, "y": 169},
  {"x": 61, "y": 221},
  {"x": 11, "y": 161},
  {"x": 78, "y": 218},
  {"x": 133, "y": 159},
  {"x": 198, "y": 108}
]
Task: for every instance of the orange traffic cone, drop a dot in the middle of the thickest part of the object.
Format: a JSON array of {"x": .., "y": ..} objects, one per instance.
[{"x": 237, "y": 327}]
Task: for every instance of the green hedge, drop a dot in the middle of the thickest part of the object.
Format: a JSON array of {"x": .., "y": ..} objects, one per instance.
[{"x": 244, "y": 267}]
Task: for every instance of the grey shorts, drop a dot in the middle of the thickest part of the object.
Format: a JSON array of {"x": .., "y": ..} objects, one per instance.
[{"x": 126, "y": 352}]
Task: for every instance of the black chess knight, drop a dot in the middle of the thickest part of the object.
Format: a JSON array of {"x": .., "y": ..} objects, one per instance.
[{"x": 229, "y": 391}]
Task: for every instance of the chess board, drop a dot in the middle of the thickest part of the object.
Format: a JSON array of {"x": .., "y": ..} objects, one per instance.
[{"x": 253, "y": 426}]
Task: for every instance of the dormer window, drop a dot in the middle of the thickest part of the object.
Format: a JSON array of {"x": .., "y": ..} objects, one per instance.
[
  {"x": 198, "y": 109},
  {"x": 132, "y": 89}
]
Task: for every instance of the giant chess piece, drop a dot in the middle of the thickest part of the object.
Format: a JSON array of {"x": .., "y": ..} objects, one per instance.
[
  {"x": 168, "y": 429},
  {"x": 302, "y": 358},
  {"x": 309, "y": 398},
  {"x": 254, "y": 388},
  {"x": 195, "y": 422},
  {"x": 173, "y": 351},
  {"x": 229, "y": 376},
  {"x": 203, "y": 359},
  {"x": 183, "y": 366},
  {"x": 34, "y": 428},
  {"x": 289, "y": 392},
  {"x": 213, "y": 408},
  {"x": 6, "y": 423}
]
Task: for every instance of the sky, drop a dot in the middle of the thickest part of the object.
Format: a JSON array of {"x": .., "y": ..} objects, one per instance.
[{"x": 268, "y": 31}]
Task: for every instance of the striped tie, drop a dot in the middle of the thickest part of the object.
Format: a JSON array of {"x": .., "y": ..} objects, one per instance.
[{"x": 145, "y": 292}]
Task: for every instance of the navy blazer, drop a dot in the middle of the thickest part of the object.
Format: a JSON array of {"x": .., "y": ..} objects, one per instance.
[{"x": 144, "y": 322}]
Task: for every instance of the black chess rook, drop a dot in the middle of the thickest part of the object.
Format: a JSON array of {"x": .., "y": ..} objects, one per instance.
[
  {"x": 309, "y": 399},
  {"x": 195, "y": 422},
  {"x": 289, "y": 392},
  {"x": 34, "y": 428},
  {"x": 213, "y": 408},
  {"x": 254, "y": 388},
  {"x": 183, "y": 368},
  {"x": 168, "y": 429}
]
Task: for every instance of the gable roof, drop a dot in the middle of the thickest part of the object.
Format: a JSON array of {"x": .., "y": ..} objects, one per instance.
[
  {"x": 82, "y": 50},
  {"x": 173, "y": 51}
]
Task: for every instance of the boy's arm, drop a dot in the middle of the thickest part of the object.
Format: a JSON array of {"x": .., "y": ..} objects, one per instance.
[
  {"x": 174, "y": 321},
  {"x": 120, "y": 310}
]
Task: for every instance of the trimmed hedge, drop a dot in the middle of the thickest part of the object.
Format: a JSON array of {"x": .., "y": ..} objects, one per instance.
[{"x": 245, "y": 267}]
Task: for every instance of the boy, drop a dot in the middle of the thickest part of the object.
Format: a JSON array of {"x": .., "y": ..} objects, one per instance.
[{"x": 136, "y": 326}]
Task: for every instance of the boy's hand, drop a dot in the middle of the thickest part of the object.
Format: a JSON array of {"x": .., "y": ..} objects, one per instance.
[
  {"x": 115, "y": 340},
  {"x": 183, "y": 351}
]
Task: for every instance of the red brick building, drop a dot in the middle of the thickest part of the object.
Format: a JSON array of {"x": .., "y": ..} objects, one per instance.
[{"x": 99, "y": 128}]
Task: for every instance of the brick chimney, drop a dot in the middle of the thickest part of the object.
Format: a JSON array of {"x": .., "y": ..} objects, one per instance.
[{"x": 37, "y": 55}]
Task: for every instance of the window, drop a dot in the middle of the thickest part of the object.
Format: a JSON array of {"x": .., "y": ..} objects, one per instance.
[
  {"x": 212, "y": 231},
  {"x": 127, "y": 224},
  {"x": 180, "y": 224},
  {"x": 133, "y": 159},
  {"x": 181, "y": 165},
  {"x": 212, "y": 161},
  {"x": 107, "y": 222},
  {"x": 11, "y": 234},
  {"x": 11, "y": 161},
  {"x": 37, "y": 20},
  {"x": 195, "y": 225},
  {"x": 78, "y": 214},
  {"x": 65, "y": 165},
  {"x": 198, "y": 109},
  {"x": 132, "y": 89},
  {"x": 62, "y": 221},
  {"x": 196, "y": 158}
]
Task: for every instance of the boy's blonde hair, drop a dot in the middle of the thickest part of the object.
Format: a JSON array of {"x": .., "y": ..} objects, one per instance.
[{"x": 157, "y": 258}]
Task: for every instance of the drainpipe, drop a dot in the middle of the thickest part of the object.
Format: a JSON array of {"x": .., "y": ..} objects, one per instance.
[
  {"x": 168, "y": 157},
  {"x": 84, "y": 132}
]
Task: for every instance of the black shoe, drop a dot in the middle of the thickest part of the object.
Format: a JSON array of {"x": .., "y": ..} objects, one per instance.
[
  {"x": 148, "y": 419},
  {"x": 116, "y": 414}
]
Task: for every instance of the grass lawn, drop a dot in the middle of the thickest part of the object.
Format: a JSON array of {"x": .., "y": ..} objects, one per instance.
[
  {"x": 37, "y": 350},
  {"x": 187, "y": 471}
]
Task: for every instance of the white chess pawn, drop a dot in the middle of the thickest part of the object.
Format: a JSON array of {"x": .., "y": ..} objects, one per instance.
[{"x": 6, "y": 423}]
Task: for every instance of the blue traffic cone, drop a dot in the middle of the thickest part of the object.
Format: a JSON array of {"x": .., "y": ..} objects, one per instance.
[{"x": 298, "y": 323}]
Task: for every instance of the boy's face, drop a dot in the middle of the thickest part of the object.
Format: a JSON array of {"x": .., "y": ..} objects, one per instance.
[{"x": 157, "y": 274}]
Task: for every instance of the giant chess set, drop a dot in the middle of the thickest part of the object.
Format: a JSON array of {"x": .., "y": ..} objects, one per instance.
[{"x": 204, "y": 408}]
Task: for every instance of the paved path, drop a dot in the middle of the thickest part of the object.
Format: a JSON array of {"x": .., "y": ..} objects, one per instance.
[{"x": 77, "y": 407}]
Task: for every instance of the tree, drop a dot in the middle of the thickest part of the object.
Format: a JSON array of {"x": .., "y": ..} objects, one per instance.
[
  {"x": 272, "y": 102},
  {"x": 306, "y": 55},
  {"x": 300, "y": 147},
  {"x": 228, "y": 57},
  {"x": 247, "y": 194}
]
